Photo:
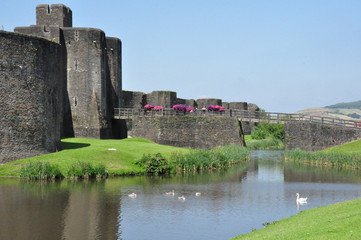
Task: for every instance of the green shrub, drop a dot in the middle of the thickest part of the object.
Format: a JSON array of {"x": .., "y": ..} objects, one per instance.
[
  {"x": 85, "y": 170},
  {"x": 154, "y": 164},
  {"x": 40, "y": 170},
  {"x": 267, "y": 130}
]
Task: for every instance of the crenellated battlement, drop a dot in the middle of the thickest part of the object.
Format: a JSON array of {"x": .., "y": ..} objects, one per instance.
[{"x": 54, "y": 15}]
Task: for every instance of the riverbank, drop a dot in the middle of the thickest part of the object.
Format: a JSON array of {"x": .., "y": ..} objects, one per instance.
[
  {"x": 337, "y": 221},
  {"x": 132, "y": 156},
  {"x": 344, "y": 156},
  {"x": 118, "y": 155}
]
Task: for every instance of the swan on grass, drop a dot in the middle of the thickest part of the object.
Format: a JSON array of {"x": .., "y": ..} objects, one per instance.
[
  {"x": 198, "y": 194},
  {"x": 300, "y": 200}
]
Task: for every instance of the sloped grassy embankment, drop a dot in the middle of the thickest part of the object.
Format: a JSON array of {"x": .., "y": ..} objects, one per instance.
[
  {"x": 86, "y": 157},
  {"x": 117, "y": 155},
  {"x": 334, "y": 222}
]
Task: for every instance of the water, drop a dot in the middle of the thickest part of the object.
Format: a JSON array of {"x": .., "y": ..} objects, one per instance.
[{"x": 232, "y": 202}]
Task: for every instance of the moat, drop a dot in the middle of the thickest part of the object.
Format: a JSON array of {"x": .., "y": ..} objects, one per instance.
[{"x": 232, "y": 202}]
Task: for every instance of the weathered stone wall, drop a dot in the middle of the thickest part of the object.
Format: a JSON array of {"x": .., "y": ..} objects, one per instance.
[
  {"x": 114, "y": 51},
  {"x": 237, "y": 105},
  {"x": 31, "y": 86},
  {"x": 54, "y": 15},
  {"x": 188, "y": 132},
  {"x": 205, "y": 102},
  {"x": 315, "y": 137},
  {"x": 88, "y": 85},
  {"x": 246, "y": 126},
  {"x": 162, "y": 98},
  {"x": 131, "y": 99}
]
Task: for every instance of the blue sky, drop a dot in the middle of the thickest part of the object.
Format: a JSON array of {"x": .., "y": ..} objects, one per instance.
[{"x": 283, "y": 55}]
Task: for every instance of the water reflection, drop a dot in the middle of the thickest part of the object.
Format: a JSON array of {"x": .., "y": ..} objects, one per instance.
[{"x": 232, "y": 202}]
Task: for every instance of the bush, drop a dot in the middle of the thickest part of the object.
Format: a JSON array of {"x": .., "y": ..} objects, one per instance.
[
  {"x": 154, "y": 164},
  {"x": 40, "y": 171},
  {"x": 266, "y": 130}
]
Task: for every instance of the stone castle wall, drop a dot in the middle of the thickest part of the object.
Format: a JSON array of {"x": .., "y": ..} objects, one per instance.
[
  {"x": 31, "y": 86},
  {"x": 88, "y": 82},
  {"x": 93, "y": 63},
  {"x": 316, "y": 137},
  {"x": 188, "y": 132}
]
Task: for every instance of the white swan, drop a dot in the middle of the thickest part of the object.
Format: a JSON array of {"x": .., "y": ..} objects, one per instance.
[
  {"x": 170, "y": 193},
  {"x": 198, "y": 194},
  {"x": 182, "y": 198},
  {"x": 300, "y": 200},
  {"x": 132, "y": 195}
]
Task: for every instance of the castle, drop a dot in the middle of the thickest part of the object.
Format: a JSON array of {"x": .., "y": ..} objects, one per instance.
[
  {"x": 60, "y": 81},
  {"x": 56, "y": 81}
]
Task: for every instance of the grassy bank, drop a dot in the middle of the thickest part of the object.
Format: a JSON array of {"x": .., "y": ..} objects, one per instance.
[
  {"x": 117, "y": 155},
  {"x": 87, "y": 158},
  {"x": 344, "y": 156},
  {"x": 338, "y": 221},
  {"x": 269, "y": 143}
]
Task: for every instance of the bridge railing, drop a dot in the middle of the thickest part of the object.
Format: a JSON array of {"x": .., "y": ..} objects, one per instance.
[{"x": 243, "y": 115}]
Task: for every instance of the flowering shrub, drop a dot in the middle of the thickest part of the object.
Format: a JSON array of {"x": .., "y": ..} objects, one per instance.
[
  {"x": 180, "y": 107},
  {"x": 148, "y": 107},
  {"x": 158, "y": 108},
  {"x": 189, "y": 109},
  {"x": 215, "y": 108}
]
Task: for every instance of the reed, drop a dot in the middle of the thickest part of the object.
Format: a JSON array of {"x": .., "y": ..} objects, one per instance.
[
  {"x": 201, "y": 160},
  {"x": 269, "y": 143},
  {"x": 86, "y": 170},
  {"x": 40, "y": 170},
  {"x": 334, "y": 159}
]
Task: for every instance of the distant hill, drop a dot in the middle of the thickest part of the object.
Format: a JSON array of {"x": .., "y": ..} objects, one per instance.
[
  {"x": 349, "y": 110},
  {"x": 348, "y": 105}
]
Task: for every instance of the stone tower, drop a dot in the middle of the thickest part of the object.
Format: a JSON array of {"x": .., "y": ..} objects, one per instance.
[
  {"x": 93, "y": 71},
  {"x": 54, "y": 15}
]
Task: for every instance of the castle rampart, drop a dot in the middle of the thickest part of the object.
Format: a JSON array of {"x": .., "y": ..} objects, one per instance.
[
  {"x": 188, "y": 132},
  {"x": 31, "y": 89}
]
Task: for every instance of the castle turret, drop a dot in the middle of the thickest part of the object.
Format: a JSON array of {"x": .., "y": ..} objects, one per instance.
[{"x": 54, "y": 15}]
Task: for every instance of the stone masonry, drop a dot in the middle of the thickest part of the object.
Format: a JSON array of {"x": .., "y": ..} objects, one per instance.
[{"x": 56, "y": 81}]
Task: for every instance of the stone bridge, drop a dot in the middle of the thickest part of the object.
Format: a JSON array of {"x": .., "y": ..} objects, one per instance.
[{"x": 207, "y": 129}]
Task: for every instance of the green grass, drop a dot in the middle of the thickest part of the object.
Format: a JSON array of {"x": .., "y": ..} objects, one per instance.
[
  {"x": 337, "y": 221},
  {"x": 201, "y": 160},
  {"x": 118, "y": 162},
  {"x": 269, "y": 143},
  {"x": 352, "y": 147},
  {"x": 343, "y": 156}
]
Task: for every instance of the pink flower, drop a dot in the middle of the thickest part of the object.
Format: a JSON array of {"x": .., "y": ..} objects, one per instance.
[{"x": 148, "y": 107}]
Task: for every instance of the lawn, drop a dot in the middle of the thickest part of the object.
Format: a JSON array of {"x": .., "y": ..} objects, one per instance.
[
  {"x": 337, "y": 221},
  {"x": 117, "y": 155},
  {"x": 352, "y": 147}
]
